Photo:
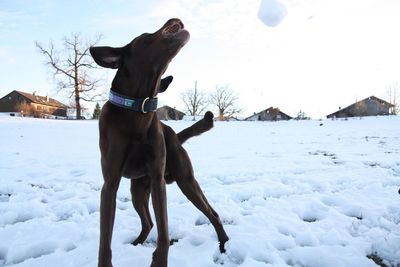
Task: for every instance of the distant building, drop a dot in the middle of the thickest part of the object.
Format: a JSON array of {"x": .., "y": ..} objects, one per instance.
[
  {"x": 370, "y": 106},
  {"x": 168, "y": 113},
  {"x": 270, "y": 114},
  {"x": 34, "y": 105}
]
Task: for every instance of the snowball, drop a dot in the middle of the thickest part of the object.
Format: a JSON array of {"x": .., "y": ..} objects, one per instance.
[{"x": 271, "y": 12}]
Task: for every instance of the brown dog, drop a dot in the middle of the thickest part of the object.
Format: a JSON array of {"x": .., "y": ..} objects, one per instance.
[{"x": 134, "y": 144}]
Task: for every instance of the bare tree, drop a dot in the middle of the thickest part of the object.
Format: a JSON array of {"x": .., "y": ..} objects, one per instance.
[
  {"x": 72, "y": 110},
  {"x": 392, "y": 93},
  {"x": 226, "y": 102},
  {"x": 301, "y": 115},
  {"x": 195, "y": 101},
  {"x": 71, "y": 69}
]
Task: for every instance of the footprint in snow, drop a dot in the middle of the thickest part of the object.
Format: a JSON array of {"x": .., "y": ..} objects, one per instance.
[
  {"x": 3, "y": 254},
  {"x": 32, "y": 251},
  {"x": 235, "y": 255},
  {"x": 327, "y": 154},
  {"x": 5, "y": 197},
  {"x": 77, "y": 173},
  {"x": 203, "y": 220},
  {"x": 153, "y": 242}
]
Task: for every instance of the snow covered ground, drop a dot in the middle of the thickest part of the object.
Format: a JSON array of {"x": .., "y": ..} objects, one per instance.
[{"x": 296, "y": 193}]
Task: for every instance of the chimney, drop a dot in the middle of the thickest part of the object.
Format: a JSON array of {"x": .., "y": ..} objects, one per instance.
[
  {"x": 47, "y": 98},
  {"x": 34, "y": 93}
]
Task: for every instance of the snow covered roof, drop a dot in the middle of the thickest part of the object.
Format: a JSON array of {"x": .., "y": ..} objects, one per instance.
[
  {"x": 44, "y": 100},
  {"x": 268, "y": 110},
  {"x": 348, "y": 108}
]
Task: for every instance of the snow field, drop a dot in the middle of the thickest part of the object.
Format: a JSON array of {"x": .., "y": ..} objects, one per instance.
[{"x": 289, "y": 194}]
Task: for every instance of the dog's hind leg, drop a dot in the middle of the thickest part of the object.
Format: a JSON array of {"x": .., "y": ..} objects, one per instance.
[
  {"x": 193, "y": 192},
  {"x": 183, "y": 172},
  {"x": 180, "y": 169},
  {"x": 140, "y": 191}
]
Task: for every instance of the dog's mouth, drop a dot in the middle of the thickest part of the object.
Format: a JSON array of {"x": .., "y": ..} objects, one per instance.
[
  {"x": 174, "y": 31},
  {"x": 175, "y": 27}
]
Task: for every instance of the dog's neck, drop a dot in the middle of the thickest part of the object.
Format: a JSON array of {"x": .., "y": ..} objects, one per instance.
[{"x": 139, "y": 86}]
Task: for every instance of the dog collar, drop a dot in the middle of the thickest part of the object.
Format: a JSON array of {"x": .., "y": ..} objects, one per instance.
[{"x": 142, "y": 105}]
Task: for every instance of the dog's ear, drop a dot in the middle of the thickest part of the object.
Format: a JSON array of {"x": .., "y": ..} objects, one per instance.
[
  {"x": 165, "y": 83},
  {"x": 107, "y": 57}
]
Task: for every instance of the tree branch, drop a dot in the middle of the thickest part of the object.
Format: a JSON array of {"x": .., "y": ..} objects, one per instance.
[
  {"x": 51, "y": 60},
  {"x": 70, "y": 72}
]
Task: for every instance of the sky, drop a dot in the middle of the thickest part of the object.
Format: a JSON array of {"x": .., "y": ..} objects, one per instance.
[{"x": 323, "y": 55}]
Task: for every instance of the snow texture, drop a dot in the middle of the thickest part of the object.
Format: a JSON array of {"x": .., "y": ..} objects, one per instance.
[
  {"x": 272, "y": 12},
  {"x": 296, "y": 193}
]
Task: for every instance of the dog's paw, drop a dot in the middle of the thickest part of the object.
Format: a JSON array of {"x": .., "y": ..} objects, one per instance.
[
  {"x": 222, "y": 248},
  {"x": 209, "y": 116},
  {"x": 234, "y": 255}
]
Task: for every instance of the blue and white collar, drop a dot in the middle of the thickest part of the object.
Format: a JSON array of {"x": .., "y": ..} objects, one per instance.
[{"x": 143, "y": 105}]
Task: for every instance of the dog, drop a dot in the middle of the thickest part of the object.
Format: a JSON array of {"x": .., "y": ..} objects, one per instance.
[{"x": 135, "y": 144}]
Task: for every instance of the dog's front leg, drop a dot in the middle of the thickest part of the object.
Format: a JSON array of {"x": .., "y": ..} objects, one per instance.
[
  {"x": 159, "y": 200},
  {"x": 156, "y": 171},
  {"x": 109, "y": 190}
]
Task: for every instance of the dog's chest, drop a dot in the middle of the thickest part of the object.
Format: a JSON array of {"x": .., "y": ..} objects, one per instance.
[{"x": 134, "y": 163}]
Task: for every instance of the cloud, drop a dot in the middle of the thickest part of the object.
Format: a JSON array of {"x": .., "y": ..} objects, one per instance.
[
  {"x": 227, "y": 20},
  {"x": 14, "y": 19},
  {"x": 333, "y": 56},
  {"x": 7, "y": 55},
  {"x": 9, "y": 19},
  {"x": 19, "y": 28}
]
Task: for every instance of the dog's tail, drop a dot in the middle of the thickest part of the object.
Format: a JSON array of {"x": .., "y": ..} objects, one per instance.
[{"x": 198, "y": 128}]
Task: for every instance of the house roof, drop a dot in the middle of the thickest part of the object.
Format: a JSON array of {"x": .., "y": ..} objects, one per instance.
[
  {"x": 170, "y": 108},
  {"x": 270, "y": 109},
  {"x": 368, "y": 98},
  {"x": 43, "y": 100}
]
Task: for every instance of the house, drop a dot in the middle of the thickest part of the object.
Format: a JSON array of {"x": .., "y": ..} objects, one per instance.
[
  {"x": 168, "y": 113},
  {"x": 34, "y": 105},
  {"x": 370, "y": 106},
  {"x": 270, "y": 114}
]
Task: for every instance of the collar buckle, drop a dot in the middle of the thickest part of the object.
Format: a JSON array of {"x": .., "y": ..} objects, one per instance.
[{"x": 143, "y": 103}]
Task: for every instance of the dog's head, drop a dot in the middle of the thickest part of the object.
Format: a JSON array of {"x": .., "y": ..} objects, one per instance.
[{"x": 145, "y": 59}]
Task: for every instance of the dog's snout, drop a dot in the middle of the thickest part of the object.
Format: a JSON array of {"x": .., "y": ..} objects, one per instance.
[
  {"x": 173, "y": 22},
  {"x": 174, "y": 28}
]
